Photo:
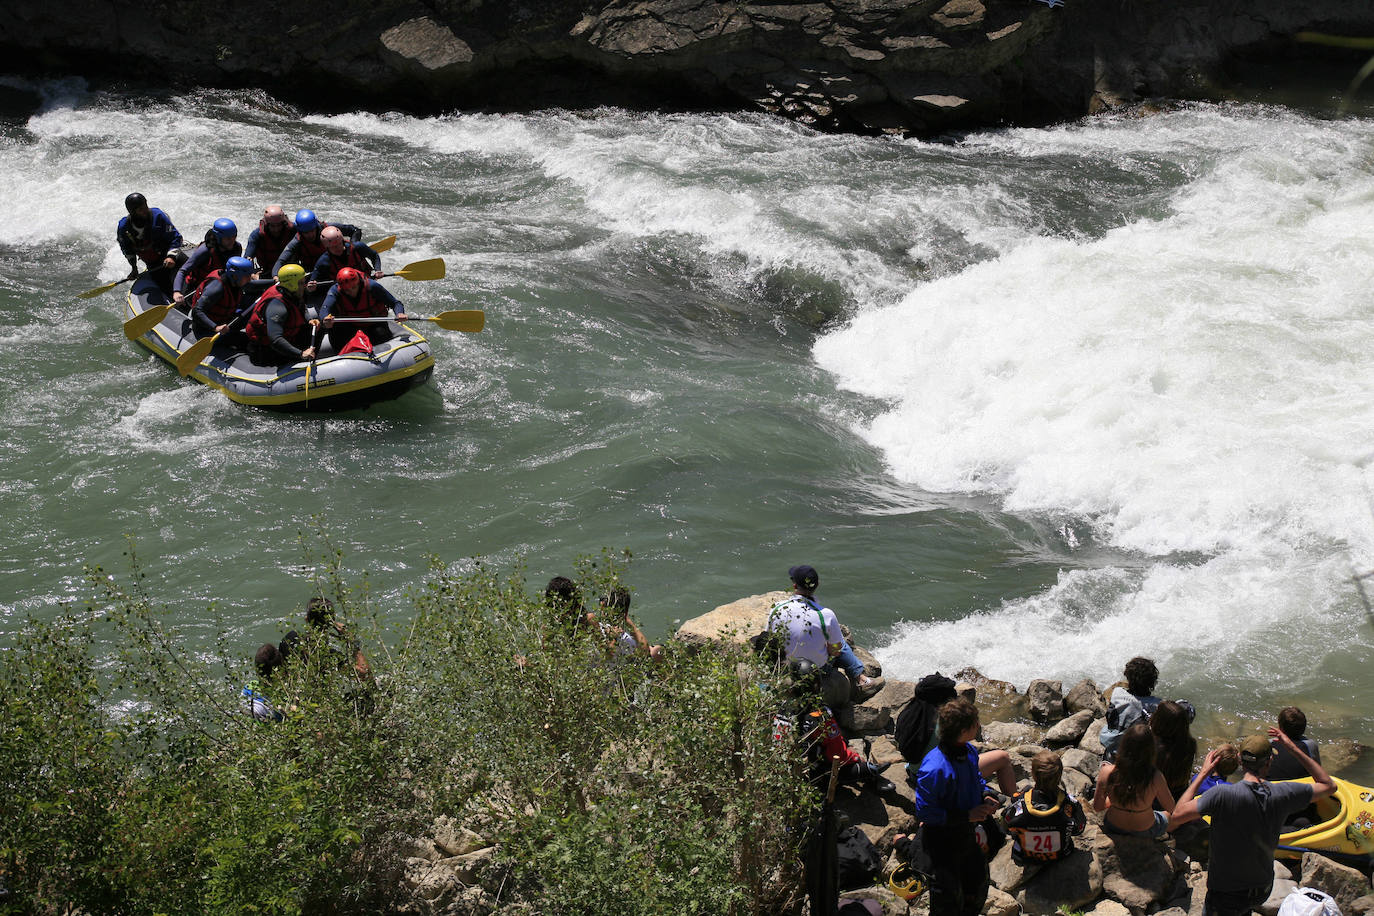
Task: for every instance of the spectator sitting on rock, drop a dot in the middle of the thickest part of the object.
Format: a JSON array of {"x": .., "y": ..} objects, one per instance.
[
  {"x": 1131, "y": 788},
  {"x": 1292, "y": 723},
  {"x": 812, "y": 632},
  {"x": 1175, "y": 747},
  {"x": 1134, "y": 704},
  {"x": 951, "y": 800},
  {"x": 1044, "y": 819},
  {"x": 1247, "y": 818}
]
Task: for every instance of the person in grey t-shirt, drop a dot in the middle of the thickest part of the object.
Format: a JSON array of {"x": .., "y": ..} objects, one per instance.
[{"x": 1247, "y": 818}]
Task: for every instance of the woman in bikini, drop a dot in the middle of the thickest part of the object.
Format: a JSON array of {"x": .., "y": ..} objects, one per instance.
[{"x": 1131, "y": 788}]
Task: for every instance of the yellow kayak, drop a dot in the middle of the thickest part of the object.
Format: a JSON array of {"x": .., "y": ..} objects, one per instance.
[{"x": 1345, "y": 829}]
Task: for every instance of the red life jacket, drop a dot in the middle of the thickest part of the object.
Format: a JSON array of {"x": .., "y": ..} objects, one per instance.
[
  {"x": 218, "y": 258},
  {"x": 292, "y": 330},
  {"x": 228, "y": 305},
  {"x": 309, "y": 252},
  {"x": 269, "y": 249},
  {"x": 351, "y": 257},
  {"x": 362, "y": 307}
]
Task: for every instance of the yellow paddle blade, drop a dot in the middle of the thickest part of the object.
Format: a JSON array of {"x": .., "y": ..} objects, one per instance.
[
  {"x": 381, "y": 245},
  {"x": 195, "y": 354},
  {"x": 144, "y": 322},
  {"x": 92, "y": 293},
  {"x": 470, "y": 320},
  {"x": 433, "y": 269}
]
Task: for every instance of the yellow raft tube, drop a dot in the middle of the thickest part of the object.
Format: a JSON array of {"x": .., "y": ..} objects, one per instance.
[{"x": 1344, "y": 831}]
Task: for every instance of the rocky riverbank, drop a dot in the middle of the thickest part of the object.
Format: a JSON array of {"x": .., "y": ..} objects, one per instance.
[
  {"x": 852, "y": 65},
  {"x": 1116, "y": 876},
  {"x": 454, "y": 870}
]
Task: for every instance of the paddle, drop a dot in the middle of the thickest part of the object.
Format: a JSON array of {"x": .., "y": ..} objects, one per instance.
[
  {"x": 196, "y": 353},
  {"x": 469, "y": 320},
  {"x": 145, "y": 321},
  {"x": 432, "y": 269},
  {"x": 385, "y": 244},
  {"x": 92, "y": 293}
]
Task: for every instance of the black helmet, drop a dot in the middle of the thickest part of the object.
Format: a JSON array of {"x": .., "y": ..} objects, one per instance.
[{"x": 135, "y": 201}]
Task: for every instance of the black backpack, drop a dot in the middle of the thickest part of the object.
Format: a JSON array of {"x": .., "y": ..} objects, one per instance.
[{"x": 917, "y": 722}]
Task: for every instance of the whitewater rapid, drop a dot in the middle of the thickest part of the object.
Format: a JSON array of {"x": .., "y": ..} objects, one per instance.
[{"x": 1195, "y": 385}]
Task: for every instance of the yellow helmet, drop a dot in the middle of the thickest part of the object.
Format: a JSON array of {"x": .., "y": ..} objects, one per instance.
[
  {"x": 906, "y": 883},
  {"x": 290, "y": 277}
]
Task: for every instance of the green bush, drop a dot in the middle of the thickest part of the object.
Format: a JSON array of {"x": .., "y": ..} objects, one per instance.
[{"x": 134, "y": 781}]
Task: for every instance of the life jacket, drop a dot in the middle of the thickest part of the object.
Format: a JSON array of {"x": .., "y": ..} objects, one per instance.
[
  {"x": 351, "y": 257},
  {"x": 295, "y": 325},
  {"x": 269, "y": 249},
  {"x": 362, "y": 307},
  {"x": 141, "y": 239},
  {"x": 228, "y": 305},
  {"x": 308, "y": 252},
  {"x": 1043, "y": 834},
  {"x": 217, "y": 259}
]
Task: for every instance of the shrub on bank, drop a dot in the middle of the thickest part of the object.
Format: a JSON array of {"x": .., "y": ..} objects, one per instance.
[{"x": 132, "y": 779}]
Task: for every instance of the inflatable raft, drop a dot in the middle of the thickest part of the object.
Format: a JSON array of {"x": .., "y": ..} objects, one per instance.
[
  {"x": 1343, "y": 830},
  {"x": 347, "y": 382}
]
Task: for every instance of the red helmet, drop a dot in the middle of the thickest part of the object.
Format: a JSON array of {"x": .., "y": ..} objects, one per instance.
[{"x": 348, "y": 279}]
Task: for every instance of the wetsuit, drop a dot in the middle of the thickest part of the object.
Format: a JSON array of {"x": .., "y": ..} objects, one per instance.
[{"x": 373, "y": 300}]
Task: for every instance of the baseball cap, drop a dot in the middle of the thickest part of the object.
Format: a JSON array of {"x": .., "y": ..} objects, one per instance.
[
  {"x": 1255, "y": 749},
  {"x": 804, "y": 577}
]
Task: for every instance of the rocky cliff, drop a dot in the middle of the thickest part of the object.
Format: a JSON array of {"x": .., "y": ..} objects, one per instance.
[{"x": 864, "y": 65}]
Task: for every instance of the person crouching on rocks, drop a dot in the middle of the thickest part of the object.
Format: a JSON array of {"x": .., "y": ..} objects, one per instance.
[
  {"x": 951, "y": 800},
  {"x": 278, "y": 330}
]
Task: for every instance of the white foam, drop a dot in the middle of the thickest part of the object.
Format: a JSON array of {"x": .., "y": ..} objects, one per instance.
[{"x": 1200, "y": 382}]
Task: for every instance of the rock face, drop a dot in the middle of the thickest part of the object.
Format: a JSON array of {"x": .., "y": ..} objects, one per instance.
[{"x": 862, "y": 65}]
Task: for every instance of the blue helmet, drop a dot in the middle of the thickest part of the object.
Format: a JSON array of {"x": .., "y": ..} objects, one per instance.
[
  {"x": 306, "y": 221},
  {"x": 238, "y": 269},
  {"x": 225, "y": 230}
]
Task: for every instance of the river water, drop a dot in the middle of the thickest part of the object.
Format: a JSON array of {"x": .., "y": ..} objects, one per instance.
[{"x": 1033, "y": 400}]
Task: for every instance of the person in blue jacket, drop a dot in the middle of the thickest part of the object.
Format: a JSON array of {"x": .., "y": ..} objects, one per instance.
[
  {"x": 951, "y": 800},
  {"x": 355, "y": 296},
  {"x": 220, "y": 300},
  {"x": 305, "y": 249},
  {"x": 221, "y": 243},
  {"x": 147, "y": 234}
]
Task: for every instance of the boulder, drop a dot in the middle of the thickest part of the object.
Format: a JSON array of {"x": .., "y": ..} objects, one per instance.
[
  {"x": 1107, "y": 907},
  {"x": 1007, "y": 734},
  {"x": 1085, "y": 762},
  {"x": 966, "y": 691},
  {"x": 1342, "y": 882},
  {"x": 1070, "y": 730},
  {"x": 1084, "y": 696},
  {"x": 1046, "y": 700},
  {"x": 1283, "y": 886},
  {"x": 1362, "y": 905},
  {"x": 1135, "y": 871},
  {"x": 1006, "y": 874},
  {"x": 1000, "y": 904},
  {"x": 737, "y": 621},
  {"x": 884, "y": 750},
  {"x": 1072, "y": 883},
  {"x": 864, "y": 719},
  {"x": 468, "y": 867},
  {"x": 1077, "y": 784},
  {"x": 453, "y": 839},
  {"x": 1089, "y": 742}
]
